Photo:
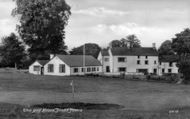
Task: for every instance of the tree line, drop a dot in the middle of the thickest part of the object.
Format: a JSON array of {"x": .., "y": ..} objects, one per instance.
[{"x": 41, "y": 31}]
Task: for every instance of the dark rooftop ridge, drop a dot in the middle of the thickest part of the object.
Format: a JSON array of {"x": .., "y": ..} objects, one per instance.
[{"x": 143, "y": 51}]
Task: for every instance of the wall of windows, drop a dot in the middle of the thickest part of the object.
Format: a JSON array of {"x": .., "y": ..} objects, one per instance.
[{"x": 85, "y": 70}]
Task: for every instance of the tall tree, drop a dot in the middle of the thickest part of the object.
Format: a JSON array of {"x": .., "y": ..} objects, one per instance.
[
  {"x": 130, "y": 41},
  {"x": 12, "y": 51},
  {"x": 42, "y": 24},
  {"x": 166, "y": 48},
  {"x": 181, "y": 45},
  {"x": 90, "y": 49},
  {"x": 133, "y": 41},
  {"x": 115, "y": 43}
]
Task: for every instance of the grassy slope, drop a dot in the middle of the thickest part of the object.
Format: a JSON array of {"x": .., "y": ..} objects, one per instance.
[{"x": 24, "y": 88}]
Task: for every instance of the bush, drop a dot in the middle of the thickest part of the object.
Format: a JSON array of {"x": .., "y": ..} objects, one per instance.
[
  {"x": 184, "y": 68},
  {"x": 170, "y": 77},
  {"x": 167, "y": 77},
  {"x": 92, "y": 75}
]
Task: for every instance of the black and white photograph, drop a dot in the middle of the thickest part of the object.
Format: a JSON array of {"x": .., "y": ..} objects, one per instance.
[{"x": 94, "y": 59}]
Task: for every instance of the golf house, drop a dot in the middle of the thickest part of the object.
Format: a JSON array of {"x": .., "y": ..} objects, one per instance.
[{"x": 66, "y": 65}]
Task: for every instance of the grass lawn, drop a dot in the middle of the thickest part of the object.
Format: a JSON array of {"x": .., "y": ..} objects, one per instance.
[{"x": 138, "y": 97}]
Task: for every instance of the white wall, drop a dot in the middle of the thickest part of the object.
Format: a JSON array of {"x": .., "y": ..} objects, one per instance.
[
  {"x": 106, "y": 63},
  {"x": 165, "y": 65},
  {"x": 31, "y": 68},
  {"x": 132, "y": 66},
  {"x": 68, "y": 70},
  {"x": 56, "y": 62},
  {"x": 100, "y": 57},
  {"x": 111, "y": 61}
]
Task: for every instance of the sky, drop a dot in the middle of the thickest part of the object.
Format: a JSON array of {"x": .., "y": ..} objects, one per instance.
[{"x": 101, "y": 21}]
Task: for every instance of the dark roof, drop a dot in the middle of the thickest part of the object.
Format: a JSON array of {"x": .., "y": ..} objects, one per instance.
[
  {"x": 134, "y": 51},
  {"x": 43, "y": 62},
  {"x": 77, "y": 60},
  {"x": 169, "y": 58},
  {"x": 105, "y": 52}
]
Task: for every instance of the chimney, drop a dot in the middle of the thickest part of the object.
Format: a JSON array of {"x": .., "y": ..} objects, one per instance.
[
  {"x": 110, "y": 45},
  {"x": 154, "y": 45},
  {"x": 51, "y": 56}
]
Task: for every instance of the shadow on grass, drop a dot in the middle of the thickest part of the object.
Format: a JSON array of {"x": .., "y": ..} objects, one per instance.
[{"x": 84, "y": 106}]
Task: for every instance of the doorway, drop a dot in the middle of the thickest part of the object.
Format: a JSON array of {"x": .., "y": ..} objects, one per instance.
[
  {"x": 155, "y": 71},
  {"x": 42, "y": 70},
  {"x": 107, "y": 69}
]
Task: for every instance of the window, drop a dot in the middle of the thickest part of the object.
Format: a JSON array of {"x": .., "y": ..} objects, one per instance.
[
  {"x": 61, "y": 68},
  {"x": 50, "y": 68},
  {"x": 170, "y": 64},
  {"x": 138, "y": 62},
  {"x": 169, "y": 70},
  {"x": 163, "y": 70},
  {"x": 121, "y": 59},
  {"x": 106, "y": 59},
  {"x": 146, "y": 57},
  {"x": 89, "y": 69},
  {"x": 122, "y": 69},
  {"x": 138, "y": 57},
  {"x": 146, "y": 62},
  {"x": 76, "y": 70},
  {"x": 107, "y": 69},
  {"x": 94, "y": 69},
  {"x": 82, "y": 69},
  {"x": 160, "y": 63},
  {"x": 36, "y": 68},
  {"x": 97, "y": 68},
  {"x": 155, "y": 62}
]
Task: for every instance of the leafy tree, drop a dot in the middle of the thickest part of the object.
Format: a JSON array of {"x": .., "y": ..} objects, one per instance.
[
  {"x": 131, "y": 41},
  {"x": 12, "y": 51},
  {"x": 90, "y": 49},
  {"x": 115, "y": 43},
  {"x": 42, "y": 24},
  {"x": 124, "y": 42},
  {"x": 181, "y": 45},
  {"x": 166, "y": 48}
]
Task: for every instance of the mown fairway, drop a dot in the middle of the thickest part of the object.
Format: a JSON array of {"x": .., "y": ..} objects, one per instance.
[{"x": 25, "y": 89}]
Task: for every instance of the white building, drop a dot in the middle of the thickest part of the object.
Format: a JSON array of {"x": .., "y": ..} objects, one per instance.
[
  {"x": 37, "y": 67},
  {"x": 136, "y": 61},
  {"x": 129, "y": 61},
  {"x": 168, "y": 64},
  {"x": 66, "y": 65}
]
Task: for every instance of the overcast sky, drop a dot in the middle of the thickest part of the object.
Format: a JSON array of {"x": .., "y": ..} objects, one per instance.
[{"x": 101, "y": 21}]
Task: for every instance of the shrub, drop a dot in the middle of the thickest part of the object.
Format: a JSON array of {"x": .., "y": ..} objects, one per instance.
[
  {"x": 170, "y": 77},
  {"x": 184, "y": 68}
]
